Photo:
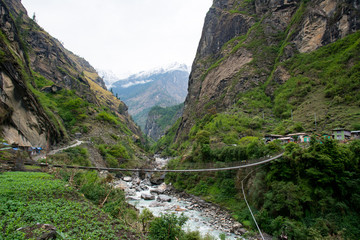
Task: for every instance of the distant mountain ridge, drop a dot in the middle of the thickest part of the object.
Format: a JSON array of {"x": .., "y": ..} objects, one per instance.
[
  {"x": 162, "y": 87},
  {"x": 110, "y": 77}
]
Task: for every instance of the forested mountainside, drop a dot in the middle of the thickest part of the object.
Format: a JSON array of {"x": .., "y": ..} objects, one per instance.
[
  {"x": 47, "y": 92},
  {"x": 274, "y": 64},
  {"x": 162, "y": 87},
  {"x": 275, "y": 67},
  {"x": 160, "y": 119}
]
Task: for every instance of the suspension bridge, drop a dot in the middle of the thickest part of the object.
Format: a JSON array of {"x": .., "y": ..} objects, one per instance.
[{"x": 234, "y": 166}]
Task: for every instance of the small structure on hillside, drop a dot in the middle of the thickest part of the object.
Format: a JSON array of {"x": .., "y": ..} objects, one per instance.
[
  {"x": 355, "y": 134},
  {"x": 326, "y": 136},
  {"x": 272, "y": 137},
  {"x": 286, "y": 139},
  {"x": 78, "y": 135},
  {"x": 341, "y": 134},
  {"x": 307, "y": 138},
  {"x": 298, "y": 137}
]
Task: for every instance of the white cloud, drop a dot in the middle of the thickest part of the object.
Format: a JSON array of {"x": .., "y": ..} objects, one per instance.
[{"x": 126, "y": 36}]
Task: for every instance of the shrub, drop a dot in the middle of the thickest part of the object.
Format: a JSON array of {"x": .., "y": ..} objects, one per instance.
[
  {"x": 167, "y": 227},
  {"x": 107, "y": 117}
]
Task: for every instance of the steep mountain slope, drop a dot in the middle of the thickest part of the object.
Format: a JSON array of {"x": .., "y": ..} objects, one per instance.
[
  {"x": 49, "y": 92},
  {"x": 160, "y": 119},
  {"x": 274, "y": 67},
  {"x": 250, "y": 63},
  {"x": 163, "y": 87}
]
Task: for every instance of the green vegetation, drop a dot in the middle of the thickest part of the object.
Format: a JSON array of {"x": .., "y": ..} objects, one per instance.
[
  {"x": 112, "y": 119},
  {"x": 30, "y": 198},
  {"x": 332, "y": 69},
  {"x": 165, "y": 117},
  {"x": 308, "y": 194},
  {"x": 114, "y": 154},
  {"x": 311, "y": 193},
  {"x": 169, "y": 227},
  {"x": 165, "y": 144},
  {"x": 73, "y": 156}
]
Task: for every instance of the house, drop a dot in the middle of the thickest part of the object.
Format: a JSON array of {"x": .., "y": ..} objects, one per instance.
[
  {"x": 341, "y": 134},
  {"x": 271, "y": 137},
  {"x": 326, "y": 136},
  {"x": 298, "y": 137},
  {"x": 307, "y": 138},
  {"x": 355, "y": 134},
  {"x": 286, "y": 139}
]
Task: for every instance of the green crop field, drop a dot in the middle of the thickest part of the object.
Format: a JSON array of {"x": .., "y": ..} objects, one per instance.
[{"x": 30, "y": 198}]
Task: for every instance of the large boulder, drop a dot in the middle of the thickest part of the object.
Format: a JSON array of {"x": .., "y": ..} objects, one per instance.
[
  {"x": 120, "y": 184},
  {"x": 156, "y": 191},
  {"x": 146, "y": 196},
  {"x": 157, "y": 179},
  {"x": 163, "y": 198},
  {"x": 127, "y": 179}
]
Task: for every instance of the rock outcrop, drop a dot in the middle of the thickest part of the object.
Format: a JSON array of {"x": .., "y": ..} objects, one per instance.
[
  {"x": 22, "y": 119},
  {"x": 243, "y": 43}
]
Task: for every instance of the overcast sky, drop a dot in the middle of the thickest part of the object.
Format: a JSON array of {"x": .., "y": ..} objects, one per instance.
[{"x": 124, "y": 36}]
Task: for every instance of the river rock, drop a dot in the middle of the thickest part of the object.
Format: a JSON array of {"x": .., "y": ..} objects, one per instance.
[
  {"x": 157, "y": 204},
  {"x": 130, "y": 192},
  {"x": 143, "y": 187},
  {"x": 136, "y": 180},
  {"x": 241, "y": 231},
  {"x": 156, "y": 179},
  {"x": 120, "y": 184},
  {"x": 146, "y": 182},
  {"x": 156, "y": 191},
  {"x": 146, "y": 196},
  {"x": 236, "y": 227},
  {"x": 162, "y": 187},
  {"x": 179, "y": 209},
  {"x": 163, "y": 198},
  {"x": 127, "y": 179}
]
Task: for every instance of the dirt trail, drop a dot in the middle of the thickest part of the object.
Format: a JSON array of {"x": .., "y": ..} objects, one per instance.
[{"x": 52, "y": 152}]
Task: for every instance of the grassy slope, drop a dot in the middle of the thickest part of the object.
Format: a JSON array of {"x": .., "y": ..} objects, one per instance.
[{"x": 30, "y": 198}]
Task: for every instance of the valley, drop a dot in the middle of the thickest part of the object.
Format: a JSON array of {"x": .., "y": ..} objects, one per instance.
[{"x": 259, "y": 139}]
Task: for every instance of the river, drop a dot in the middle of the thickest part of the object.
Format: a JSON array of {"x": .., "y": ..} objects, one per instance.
[{"x": 202, "y": 216}]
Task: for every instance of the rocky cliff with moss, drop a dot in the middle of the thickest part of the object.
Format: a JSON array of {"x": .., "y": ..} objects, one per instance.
[
  {"x": 161, "y": 119},
  {"x": 272, "y": 65},
  {"x": 47, "y": 93}
]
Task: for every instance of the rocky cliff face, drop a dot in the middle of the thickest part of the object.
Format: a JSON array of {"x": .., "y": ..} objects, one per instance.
[
  {"x": 22, "y": 119},
  {"x": 243, "y": 44},
  {"x": 160, "y": 119},
  {"x": 36, "y": 71}
]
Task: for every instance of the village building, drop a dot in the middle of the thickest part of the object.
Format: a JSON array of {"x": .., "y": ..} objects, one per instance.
[
  {"x": 341, "y": 134},
  {"x": 307, "y": 138},
  {"x": 286, "y": 139},
  {"x": 355, "y": 134},
  {"x": 272, "y": 137},
  {"x": 298, "y": 137}
]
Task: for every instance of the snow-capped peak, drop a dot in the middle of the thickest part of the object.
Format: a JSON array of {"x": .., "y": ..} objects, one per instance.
[{"x": 169, "y": 68}]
